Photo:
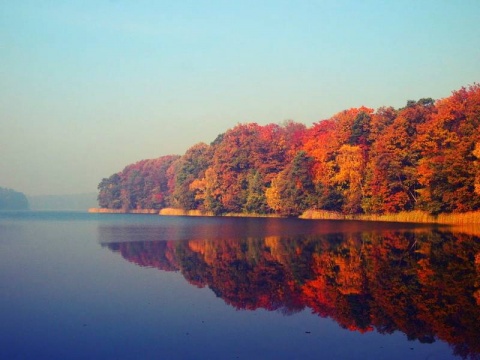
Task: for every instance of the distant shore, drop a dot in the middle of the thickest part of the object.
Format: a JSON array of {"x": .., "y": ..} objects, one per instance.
[{"x": 405, "y": 217}]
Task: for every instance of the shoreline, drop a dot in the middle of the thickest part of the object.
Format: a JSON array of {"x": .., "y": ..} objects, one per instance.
[
  {"x": 121, "y": 211},
  {"x": 417, "y": 217},
  {"x": 179, "y": 212}
]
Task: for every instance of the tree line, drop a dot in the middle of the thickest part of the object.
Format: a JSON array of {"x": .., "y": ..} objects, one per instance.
[
  {"x": 424, "y": 156},
  {"x": 12, "y": 200}
]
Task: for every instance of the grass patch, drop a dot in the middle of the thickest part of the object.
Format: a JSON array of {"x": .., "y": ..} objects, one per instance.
[
  {"x": 406, "y": 216},
  {"x": 181, "y": 212}
]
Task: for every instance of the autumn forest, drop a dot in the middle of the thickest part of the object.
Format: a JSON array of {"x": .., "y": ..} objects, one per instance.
[{"x": 424, "y": 156}]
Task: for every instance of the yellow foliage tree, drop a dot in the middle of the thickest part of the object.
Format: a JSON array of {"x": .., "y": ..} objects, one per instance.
[{"x": 351, "y": 167}]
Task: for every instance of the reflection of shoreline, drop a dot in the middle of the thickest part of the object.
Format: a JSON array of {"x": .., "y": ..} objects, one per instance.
[
  {"x": 218, "y": 228},
  {"x": 472, "y": 229},
  {"x": 425, "y": 284}
]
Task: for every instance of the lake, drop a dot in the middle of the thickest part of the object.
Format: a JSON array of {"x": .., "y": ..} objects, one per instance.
[{"x": 124, "y": 286}]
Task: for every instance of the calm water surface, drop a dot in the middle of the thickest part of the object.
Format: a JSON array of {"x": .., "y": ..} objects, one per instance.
[{"x": 100, "y": 286}]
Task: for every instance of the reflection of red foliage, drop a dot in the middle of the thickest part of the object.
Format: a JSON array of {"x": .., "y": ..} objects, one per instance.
[
  {"x": 425, "y": 284},
  {"x": 159, "y": 255},
  {"x": 477, "y": 284}
]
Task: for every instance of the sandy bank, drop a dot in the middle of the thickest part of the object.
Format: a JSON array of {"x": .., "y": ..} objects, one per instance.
[{"x": 121, "y": 211}]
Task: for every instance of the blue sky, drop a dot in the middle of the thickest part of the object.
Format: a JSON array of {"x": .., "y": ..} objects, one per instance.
[{"x": 87, "y": 87}]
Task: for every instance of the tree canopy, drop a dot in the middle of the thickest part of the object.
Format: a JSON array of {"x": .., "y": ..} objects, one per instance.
[
  {"x": 424, "y": 156},
  {"x": 12, "y": 200}
]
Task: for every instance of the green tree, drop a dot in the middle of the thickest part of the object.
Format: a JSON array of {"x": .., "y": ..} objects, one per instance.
[
  {"x": 292, "y": 191},
  {"x": 192, "y": 165},
  {"x": 109, "y": 192},
  {"x": 12, "y": 200},
  {"x": 256, "y": 199}
]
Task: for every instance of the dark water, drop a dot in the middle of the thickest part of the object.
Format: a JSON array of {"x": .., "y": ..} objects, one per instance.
[{"x": 99, "y": 286}]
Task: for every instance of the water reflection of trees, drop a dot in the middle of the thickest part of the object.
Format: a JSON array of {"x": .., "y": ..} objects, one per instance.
[{"x": 425, "y": 284}]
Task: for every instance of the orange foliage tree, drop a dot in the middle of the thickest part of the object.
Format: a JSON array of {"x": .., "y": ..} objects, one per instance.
[{"x": 447, "y": 142}]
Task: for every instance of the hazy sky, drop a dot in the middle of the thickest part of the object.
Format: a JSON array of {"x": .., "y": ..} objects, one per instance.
[{"x": 87, "y": 87}]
